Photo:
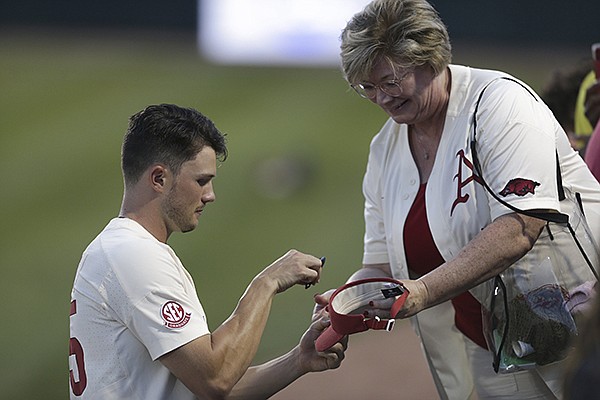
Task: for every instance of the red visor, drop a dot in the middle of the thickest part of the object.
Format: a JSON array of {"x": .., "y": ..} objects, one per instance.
[{"x": 351, "y": 297}]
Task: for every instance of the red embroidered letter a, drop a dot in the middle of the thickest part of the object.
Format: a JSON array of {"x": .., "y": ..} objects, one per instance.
[{"x": 460, "y": 198}]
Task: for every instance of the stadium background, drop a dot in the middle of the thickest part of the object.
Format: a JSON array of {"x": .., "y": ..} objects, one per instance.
[{"x": 71, "y": 73}]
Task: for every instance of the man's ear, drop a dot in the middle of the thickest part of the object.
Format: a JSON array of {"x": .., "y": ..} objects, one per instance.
[{"x": 158, "y": 177}]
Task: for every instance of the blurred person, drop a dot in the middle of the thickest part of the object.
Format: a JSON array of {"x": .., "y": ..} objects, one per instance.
[
  {"x": 583, "y": 369},
  {"x": 592, "y": 102},
  {"x": 138, "y": 330},
  {"x": 560, "y": 93},
  {"x": 592, "y": 155},
  {"x": 587, "y": 108},
  {"x": 429, "y": 221},
  {"x": 591, "y": 106}
]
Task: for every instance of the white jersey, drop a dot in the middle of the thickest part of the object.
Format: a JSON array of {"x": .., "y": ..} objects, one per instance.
[
  {"x": 517, "y": 141},
  {"x": 132, "y": 302}
]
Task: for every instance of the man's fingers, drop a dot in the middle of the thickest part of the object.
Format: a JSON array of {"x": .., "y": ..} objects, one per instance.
[
  {"x": 317, "y": 267},
  {"x": 320, "y": 325},
  {"x": 321, "y": 300},
  {"x": 335, "y": 355}
]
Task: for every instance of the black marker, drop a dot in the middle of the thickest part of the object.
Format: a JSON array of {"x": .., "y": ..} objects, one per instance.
[{"x": 306, "y": 286}]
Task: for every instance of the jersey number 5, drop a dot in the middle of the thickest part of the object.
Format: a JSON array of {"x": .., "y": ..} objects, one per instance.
[{"x": 75, "y": 349}]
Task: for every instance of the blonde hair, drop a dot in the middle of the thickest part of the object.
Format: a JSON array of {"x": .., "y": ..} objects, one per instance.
[{"x": 406, "y": 33}]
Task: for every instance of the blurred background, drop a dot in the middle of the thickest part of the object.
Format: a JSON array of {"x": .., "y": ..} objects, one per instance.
[{"x": 71, "y": 73}]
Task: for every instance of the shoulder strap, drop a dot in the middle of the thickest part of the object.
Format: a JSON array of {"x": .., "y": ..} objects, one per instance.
[{"x": 547, "y": 216}]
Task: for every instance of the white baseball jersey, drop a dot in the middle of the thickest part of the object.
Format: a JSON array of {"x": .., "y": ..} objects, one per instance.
[
  {"x": 132, "y": 301},
  {"x": 516, "y": 140}
]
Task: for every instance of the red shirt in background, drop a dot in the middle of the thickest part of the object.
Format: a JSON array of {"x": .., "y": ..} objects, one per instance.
[{"x": 592, "y": 153}]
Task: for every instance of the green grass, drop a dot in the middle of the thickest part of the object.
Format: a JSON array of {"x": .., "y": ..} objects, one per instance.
[{"x": 64, "y": 108}]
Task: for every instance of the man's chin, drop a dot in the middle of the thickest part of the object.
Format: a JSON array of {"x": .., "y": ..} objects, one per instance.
[{"x": 189, "y": 227}]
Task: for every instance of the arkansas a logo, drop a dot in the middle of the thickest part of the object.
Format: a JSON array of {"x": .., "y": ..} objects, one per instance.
[
  {"x": 464, "y": 176},
  {"x": 174, "y": 315},
  {"x": 519, "y": 187}
]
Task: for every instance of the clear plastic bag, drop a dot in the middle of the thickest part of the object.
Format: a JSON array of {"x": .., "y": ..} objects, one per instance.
[{"x": 528, "y": 316}]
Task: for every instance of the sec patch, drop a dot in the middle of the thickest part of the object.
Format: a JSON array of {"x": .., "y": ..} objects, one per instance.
[{"x": 174, "y": 315}]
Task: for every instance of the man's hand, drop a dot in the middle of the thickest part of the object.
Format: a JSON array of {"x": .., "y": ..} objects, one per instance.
[
  {"x": 310, "y": 359},
  {"x": 262, "y": 381},
  {"x": 291, "y": 269},
  {"x": 321, "y": 302}
]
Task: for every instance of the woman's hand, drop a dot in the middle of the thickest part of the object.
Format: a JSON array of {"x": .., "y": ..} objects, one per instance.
[{"x": 416, "y": 301}]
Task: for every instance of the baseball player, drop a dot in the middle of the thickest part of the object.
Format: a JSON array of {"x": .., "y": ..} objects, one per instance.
[{"x": 138, "y": 330}]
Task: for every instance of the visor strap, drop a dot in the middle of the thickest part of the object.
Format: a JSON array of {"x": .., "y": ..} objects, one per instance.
[
  {"x": 399, "y": 303},
  {"x": 379, "y": 324}
]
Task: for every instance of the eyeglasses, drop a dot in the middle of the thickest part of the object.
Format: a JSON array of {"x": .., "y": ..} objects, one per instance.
[{"x": 391, "y": 88}]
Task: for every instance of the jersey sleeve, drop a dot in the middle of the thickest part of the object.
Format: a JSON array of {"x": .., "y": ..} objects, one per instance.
[
  {"x": 516, "y": 143},
  {"x": 156, "y": 299},
  {"x": 165, "y": 321}
]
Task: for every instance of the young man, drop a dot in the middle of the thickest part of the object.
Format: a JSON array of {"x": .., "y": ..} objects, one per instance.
[{"x": 138, "y": 330}]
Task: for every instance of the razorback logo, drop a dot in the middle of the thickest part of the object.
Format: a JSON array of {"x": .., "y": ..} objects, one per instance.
[{"x": 519, "y": 187}]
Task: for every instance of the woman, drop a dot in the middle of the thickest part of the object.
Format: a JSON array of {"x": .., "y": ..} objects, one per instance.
[{"x": 429, "y": 220}]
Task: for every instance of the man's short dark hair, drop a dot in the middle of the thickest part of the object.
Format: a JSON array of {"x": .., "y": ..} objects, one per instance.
[{"x": 170, "y": 135}]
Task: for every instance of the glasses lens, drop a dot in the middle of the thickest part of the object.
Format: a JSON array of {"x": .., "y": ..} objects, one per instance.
[
  {"x": 365, "y": 91},
  {"x": 391, "y": 88}
]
